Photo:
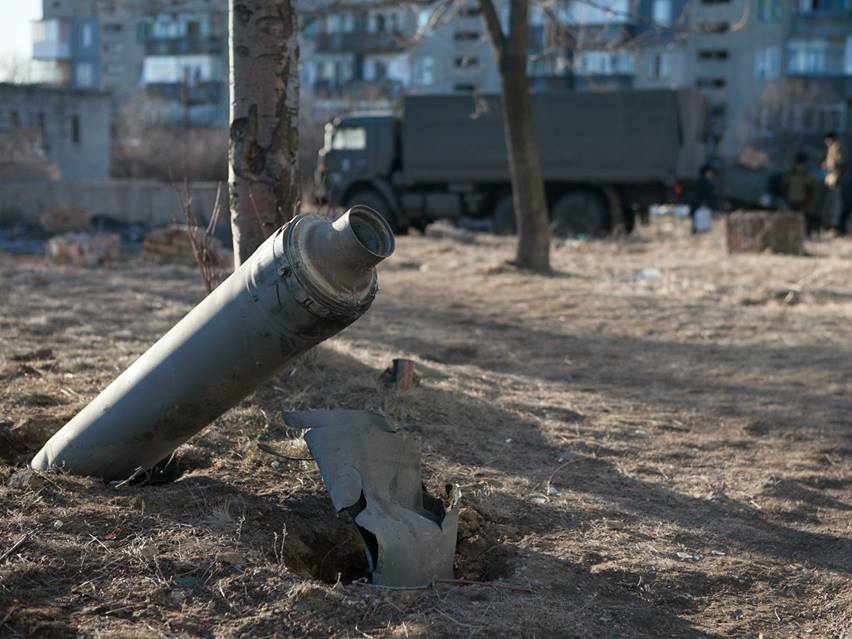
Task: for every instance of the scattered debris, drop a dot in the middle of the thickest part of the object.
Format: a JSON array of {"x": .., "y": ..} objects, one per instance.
[
  {"x": 29, "y": 356},
  {"x": 372, "y": 471},
  {"x": 757, "y": 231},
  {"x": 452, "y": 354},
  {"x": 646, "y": 275},
  {"x": 401, "y": 375},
  {"x": 688, "y": 556},
  {"x": 26, "y": 478},
  {"x": 20, "y": 542},
  {"x": 84, "y": 249},
  {"x": 445, "y": 231},
  {"x": 754, "y": 159},
  {"x": 171, "y": 245},
  {"x": 68, "y": 219}
]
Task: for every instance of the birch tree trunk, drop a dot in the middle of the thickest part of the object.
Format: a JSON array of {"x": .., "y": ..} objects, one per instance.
[
  {"x": 533, "y": 250},
  {"x": 263, "y": 170}
]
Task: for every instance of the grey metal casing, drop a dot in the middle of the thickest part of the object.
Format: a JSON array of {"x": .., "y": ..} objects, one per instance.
[{"x": 307, "y": 282}]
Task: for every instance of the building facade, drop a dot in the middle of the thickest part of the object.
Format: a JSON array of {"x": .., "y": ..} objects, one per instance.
[
  {"x": 71, "y": 125},
  {"x": 772, "y": 72},
  {"x": 174, "y": 53},
  {"x": 186, "y": 60}
]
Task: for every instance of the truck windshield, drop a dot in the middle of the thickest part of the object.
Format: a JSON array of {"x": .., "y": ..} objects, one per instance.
[{"x": 349, "y": 138}]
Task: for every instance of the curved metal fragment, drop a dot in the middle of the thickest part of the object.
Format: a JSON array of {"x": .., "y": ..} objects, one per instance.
[{"x": 372, "y": 471}]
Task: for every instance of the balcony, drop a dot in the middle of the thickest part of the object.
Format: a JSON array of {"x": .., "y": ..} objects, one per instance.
[
  {"x": 210, "y": 45},
  {"x": 809, "y": 60},
  {"x": 361, "y": 42},
  {"x": 51, "y": 40},
  {"x": 826, "y": 23}
]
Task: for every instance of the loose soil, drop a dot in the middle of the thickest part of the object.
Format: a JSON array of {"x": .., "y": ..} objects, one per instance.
[{"x": 665, "y": 455}]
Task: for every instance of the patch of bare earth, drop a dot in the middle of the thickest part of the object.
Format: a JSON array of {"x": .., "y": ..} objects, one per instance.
[{"x": 663, "y": 458}]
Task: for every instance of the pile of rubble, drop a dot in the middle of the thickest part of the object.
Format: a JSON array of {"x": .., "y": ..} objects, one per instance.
[
  {"x": 67, "y": 219},
  {"x": 171, "y": 245},
  {"x": 84, "y": 249}
]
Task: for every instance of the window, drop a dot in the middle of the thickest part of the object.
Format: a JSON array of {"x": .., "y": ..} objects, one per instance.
[
  {"x": 536, "y": 15},
  {"x": 659, "y": 66},
  {"x": 713, "y": 54},
  {"x": 51, "y": 31},
  {"x": 807, "y": 56},
  {"x": 814, "y": 6},
  {"x": 113, "y": 27},
  {"x": 769, "y": 10},
  {"x": 464, "y": 87},
  {"x": 608, "y": 12},
  {"x": 343, "y": 22},
  {"x": 114, "y": 69},
  {"x": 424, "y": 71},
  {"x": 714, "y": 27},
  {"x": 86, "y": 36},
  {"x": 14, "y": 119},
  {"x": 466, "y": 62},
  {"x": 663, "y": 12},
  {"x": 711, "y": 83},
  {"x": 423, "y": 18},
  {"x": 603, "y": 63},
  {"x": 804, "y": 117},
  {"x": 466, "y": 36},
  {"x": 85, "y": 75},
  {"x": 715, "y": 1},
  {"x": 847, "y": 56},
  {"x": 349, "y": 138},
  {"x": 113, "y": 47},
  {"x": 75, "y": 129},
  {"x": 767, "y": 63},
  {"x": 376, "y": 70}
]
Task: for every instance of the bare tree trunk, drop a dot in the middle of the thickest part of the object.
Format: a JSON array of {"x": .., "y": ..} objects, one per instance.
[
  {"x": 263, "y": 169},
  {"x": 533, "y": 250}
]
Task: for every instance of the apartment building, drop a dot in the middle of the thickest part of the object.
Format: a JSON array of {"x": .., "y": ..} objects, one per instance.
[
  {"x": 66, "y": 44},
  {"x": 186, "y": 60},
  {"x": 174, "y": 52},
  {"x": 362, "y": 53}
]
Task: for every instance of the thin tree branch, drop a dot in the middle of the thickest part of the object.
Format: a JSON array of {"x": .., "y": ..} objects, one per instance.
[{"x": 492, "y": 23}]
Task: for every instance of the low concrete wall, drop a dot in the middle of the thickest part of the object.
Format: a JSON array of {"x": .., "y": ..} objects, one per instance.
[{"x": 132, "y": 201}]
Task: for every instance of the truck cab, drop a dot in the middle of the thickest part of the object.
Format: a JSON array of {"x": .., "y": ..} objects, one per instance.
[{"x": 359, "y": 156}]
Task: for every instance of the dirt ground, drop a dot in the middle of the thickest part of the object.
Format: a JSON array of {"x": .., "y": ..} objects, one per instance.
[{"x": 659, "y": 456}]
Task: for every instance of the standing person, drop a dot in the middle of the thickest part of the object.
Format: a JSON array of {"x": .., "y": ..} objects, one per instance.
[
  {"x": 703, "y": 196},
  {"x": 833, "y": 214},
  {"x": 799, "y": 191}
]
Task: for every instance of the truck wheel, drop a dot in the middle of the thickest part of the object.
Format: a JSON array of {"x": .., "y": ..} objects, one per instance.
[
  {"x": 377, "y": 202},
  {"x": 579, "y": 213},
  {"x": 503, "y": 221}
]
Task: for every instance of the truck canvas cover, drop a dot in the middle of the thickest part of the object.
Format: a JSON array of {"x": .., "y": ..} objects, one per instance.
[{"x": 626, "y": 136}]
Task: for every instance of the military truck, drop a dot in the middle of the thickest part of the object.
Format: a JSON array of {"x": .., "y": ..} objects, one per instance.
[{"x": 605, "y": 156}]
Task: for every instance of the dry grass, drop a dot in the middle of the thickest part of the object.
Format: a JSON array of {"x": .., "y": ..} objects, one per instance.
[{"x": 668, "y": 458}]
